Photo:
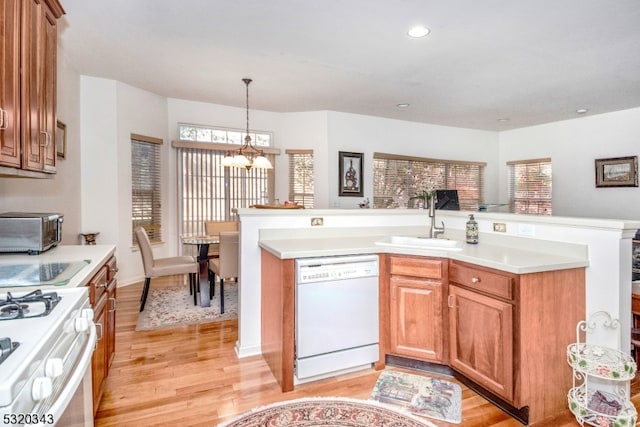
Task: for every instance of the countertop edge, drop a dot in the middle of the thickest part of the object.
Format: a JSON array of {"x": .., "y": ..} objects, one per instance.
[
  {"x": 97, "y": 255},
  {"x": 298, "y": 248}
]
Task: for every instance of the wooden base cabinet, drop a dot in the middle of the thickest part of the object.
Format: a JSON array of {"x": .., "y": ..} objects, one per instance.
[
  {"x": 509, "y": 333},
  {"x": 481, "y": 340},
  {"x": 416, "y": 308},
  {"x": 102, "y": 292}
]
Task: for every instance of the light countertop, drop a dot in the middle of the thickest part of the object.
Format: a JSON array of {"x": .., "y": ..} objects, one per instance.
[
  {"x": 519, "y": 256},
  {"x": 96, "y": 256}
]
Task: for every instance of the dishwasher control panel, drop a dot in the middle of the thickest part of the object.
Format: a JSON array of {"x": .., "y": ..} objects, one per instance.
[{"x": 328, "y": 269}]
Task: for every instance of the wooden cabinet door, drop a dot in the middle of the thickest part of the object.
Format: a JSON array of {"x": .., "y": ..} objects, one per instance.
[
  {"x": 99, "y": 359},
  {"x": 39, "y": 38},
  {"x": 110, "y": 326},
  {"x": 47, "y": 98},
  {"x": 10, "y": 84},
  {"x": 416, "y": 318},
  {"x": 481, "y": 340}
]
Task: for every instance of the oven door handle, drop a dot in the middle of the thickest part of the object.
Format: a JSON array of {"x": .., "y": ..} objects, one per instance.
[{"x": 73, "y": 381}]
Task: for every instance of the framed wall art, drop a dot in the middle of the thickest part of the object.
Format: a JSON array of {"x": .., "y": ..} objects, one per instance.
[
  {"x": 350, "y": 174},
  {"x": 617, "y": 172},
  {"x": 61, "y": 140}
]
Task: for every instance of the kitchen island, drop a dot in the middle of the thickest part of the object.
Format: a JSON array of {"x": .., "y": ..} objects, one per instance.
[
  {"x": 527, "y": 245},
  {"x": 486, "y": 311}
]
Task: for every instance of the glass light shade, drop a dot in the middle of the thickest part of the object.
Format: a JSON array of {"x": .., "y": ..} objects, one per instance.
[
  {"x": 227, "y": 160},
  {"x": 261, "y": 162},
  {"x": 240, "y": 161}
]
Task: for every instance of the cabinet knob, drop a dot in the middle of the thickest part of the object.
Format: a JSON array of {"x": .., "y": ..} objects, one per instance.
[{"x": 475, "y": 279}]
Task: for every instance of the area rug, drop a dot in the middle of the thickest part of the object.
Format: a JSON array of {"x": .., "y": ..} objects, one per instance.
[
  {"x": 420, "y": 395},
  {"x": 169, "y": 307},
  {"x": 326, "y": 412}
]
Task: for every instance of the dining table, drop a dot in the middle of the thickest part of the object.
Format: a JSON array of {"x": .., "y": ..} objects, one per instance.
[{"x": 202, "y": 244}]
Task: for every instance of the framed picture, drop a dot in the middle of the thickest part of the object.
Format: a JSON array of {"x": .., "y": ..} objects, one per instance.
[
  {"x": 61, "y": 140},
  {"x": 350, "y": 174},
  {"x": 617, "y": 172}
]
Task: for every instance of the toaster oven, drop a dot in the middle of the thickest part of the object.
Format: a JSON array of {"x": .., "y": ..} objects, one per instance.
[{"x": 32, "y": 233}]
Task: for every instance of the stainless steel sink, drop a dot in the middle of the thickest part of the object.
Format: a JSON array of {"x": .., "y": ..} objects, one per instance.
[
  {"x": 35, "y": 273},
  {"x": 420, "y": 242}
]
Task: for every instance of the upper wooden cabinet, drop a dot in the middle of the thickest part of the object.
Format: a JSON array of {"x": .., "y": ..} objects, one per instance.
[
  {"x": 28, "y": 90},
  {"x": 10, "y": 87}
]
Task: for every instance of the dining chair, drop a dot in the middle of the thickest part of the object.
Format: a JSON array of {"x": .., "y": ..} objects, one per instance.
[
  {"x": 226, "y": 265},
  {"x": 213, "y": 228},
  {"x": 157, "y": 267}
]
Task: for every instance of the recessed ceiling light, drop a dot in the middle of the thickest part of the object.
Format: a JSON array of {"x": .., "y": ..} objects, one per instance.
[
  {"x": 403, "y": 105},
  {"x": 503, "y": 119},
  {"x": 582, "y": 111},
  {"x": 418, "y": 31}
]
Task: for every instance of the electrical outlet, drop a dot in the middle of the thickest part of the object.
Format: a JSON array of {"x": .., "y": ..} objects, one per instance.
[
  {"x": 317, "y": 221},
  {"x": 500, "y": 227}
]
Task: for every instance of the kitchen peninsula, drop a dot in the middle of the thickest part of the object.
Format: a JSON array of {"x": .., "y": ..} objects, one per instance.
[{"x": 590, "y": 254}]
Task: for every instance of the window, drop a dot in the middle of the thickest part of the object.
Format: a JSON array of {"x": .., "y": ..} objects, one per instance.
[
  {"x": 530, "y": 186},
  {"x": 397, "y": 178},
  {"x": 209, "y": 191},
  {"x": 301, "y": 177},
  {"x": 146, "y": 199},
  {"x": 213, "y": 135}
]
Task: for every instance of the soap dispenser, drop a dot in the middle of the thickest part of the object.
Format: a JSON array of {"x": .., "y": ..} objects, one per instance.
[{"x": 472, "y": 230}]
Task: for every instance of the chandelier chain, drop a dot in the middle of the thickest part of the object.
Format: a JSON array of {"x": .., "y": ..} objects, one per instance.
[{"x": 247, "y": 81}]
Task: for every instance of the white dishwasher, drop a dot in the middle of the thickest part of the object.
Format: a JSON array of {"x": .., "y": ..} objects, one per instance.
[{"x": 336, "y": 315}]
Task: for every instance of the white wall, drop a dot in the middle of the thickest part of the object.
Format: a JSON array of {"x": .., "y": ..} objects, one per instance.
[
  {"x": 62, "y": 192},
  {"x": 573, "y": 146},
  {"x": 92, "y": 186},
  {"x": 111, "y": 112},
  {"x": 366, "y": 134}
]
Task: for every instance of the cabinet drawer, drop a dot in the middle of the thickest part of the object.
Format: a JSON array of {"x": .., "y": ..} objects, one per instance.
[
  {"x": 486, "y": 281},
  {"x": 98, "y": 284},
  {"x": 112, "y": 268},
  {"x": 416, "y": 267}
]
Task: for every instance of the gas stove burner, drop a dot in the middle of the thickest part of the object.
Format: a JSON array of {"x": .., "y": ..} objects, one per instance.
[
  {"x": 12, "y": 311},
  {"x": 6, "y": 347},
  {"x": 33, "y": 304}
]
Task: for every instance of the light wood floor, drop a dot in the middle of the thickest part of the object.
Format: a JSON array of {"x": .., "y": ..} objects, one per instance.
[{"x": 190, "y": 376}]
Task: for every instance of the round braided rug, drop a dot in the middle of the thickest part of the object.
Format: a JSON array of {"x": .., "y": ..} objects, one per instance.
[{"x": 325, "y": 412}]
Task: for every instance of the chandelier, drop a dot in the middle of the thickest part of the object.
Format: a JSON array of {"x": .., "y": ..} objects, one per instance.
[{"x": 247, "y": 156}]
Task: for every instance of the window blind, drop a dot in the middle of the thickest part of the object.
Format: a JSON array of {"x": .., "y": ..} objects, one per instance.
[
  {"x": 397, "y": 178},
  {"x": 146, "y": 196},
  {"x": 210, "y": 192},
  {"x": 530, "y": 186},
  {"x": 301, "y": 177}
]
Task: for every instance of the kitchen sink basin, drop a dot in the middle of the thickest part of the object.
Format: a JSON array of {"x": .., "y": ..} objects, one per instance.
[{"x": 420, "y": 242}]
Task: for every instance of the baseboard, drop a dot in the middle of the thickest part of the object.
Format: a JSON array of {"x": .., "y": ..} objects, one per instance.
[{"x": 242, "y": 352}]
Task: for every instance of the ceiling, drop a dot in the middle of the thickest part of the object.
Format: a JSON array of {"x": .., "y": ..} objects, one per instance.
[{"x": 529, "y": 62}]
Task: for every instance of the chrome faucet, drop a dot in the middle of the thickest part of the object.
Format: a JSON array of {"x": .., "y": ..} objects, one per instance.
[{"x": 434, "y": 230}]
